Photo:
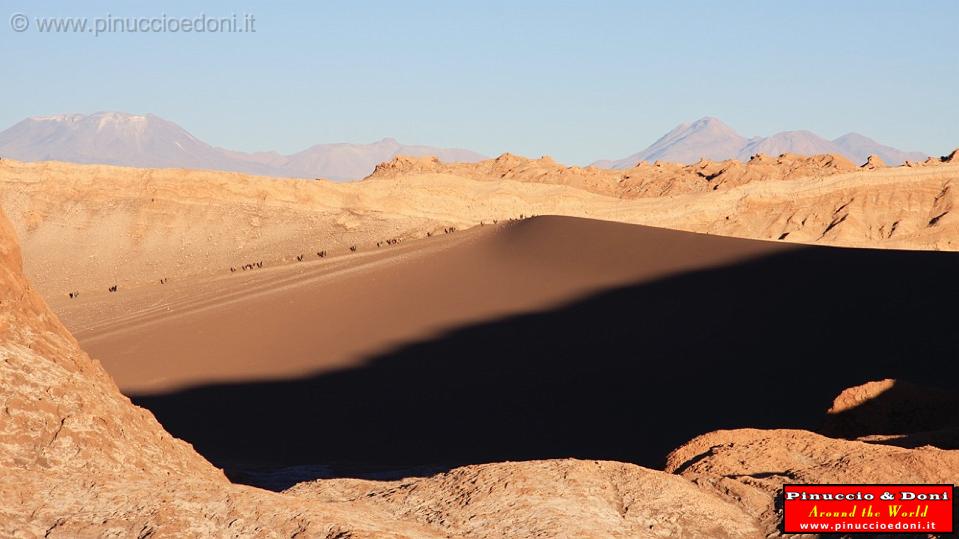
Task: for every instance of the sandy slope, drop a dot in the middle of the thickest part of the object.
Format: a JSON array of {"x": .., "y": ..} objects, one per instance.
[{"x": 321, "y": 314}]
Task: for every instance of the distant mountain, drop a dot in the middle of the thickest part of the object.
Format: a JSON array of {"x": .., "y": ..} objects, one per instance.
[
  {"x": 714, "y": 140},
  {"x": 854, "y": 144},
  {"x": 799, "y": 142},
  {"x": 346, "y": 161},
  {"x": 687, "y": 143},
  {"x": 118, "y": 138}
]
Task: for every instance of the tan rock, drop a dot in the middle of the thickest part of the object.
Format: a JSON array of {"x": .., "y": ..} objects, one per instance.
[
  {"x": 874, "y": 162},
  {"x": 748, "y": 466},
  {"x": 555, "y": 498}
]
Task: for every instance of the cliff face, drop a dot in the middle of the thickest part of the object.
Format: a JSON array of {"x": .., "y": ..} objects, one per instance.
[{"x": 61, "y": 409}]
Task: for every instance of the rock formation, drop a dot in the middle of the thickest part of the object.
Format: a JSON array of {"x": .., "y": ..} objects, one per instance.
[
  {"x": 874, "y": 162},
  {"x": 557, "y": 498},
  {"x": 748, "y": 467}
]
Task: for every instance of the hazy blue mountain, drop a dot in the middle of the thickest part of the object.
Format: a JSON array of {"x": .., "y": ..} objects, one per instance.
[
  {"x": 860, "y": 147},
  {"x": 118, "y": 138},
  {"x": 714, "y": 140}
]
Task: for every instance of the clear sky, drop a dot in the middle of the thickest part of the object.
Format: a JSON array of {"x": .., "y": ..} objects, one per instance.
[{"x": 575, "y": 80}]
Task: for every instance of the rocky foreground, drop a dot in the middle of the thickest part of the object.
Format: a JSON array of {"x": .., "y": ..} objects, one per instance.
[{"x": 79, "y": 460}]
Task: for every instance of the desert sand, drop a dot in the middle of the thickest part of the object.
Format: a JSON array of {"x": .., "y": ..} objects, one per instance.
[
  {"x": 543, "y": 375},
  {"x": 327, "y": 314}
]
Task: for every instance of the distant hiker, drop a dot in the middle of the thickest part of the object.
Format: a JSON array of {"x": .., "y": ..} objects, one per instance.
[
  {"x": 232, "y": 269},
  {"x": 299, "y": 258},
  {"x": 321, "y": 254},
  {"x": 352, "y": 248},
  {"x": 113, "y": 288}
]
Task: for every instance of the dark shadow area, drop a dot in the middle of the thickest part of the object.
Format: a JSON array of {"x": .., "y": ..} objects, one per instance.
[
  {"x": 902, "y": 408},
  {"x": 627, "y": 374}
]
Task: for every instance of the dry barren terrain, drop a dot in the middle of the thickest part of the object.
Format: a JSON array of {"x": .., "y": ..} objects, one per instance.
[{"x": 570, "y": 374}]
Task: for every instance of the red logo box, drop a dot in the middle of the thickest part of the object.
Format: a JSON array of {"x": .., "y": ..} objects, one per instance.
[{"x": 870, "y": 509}]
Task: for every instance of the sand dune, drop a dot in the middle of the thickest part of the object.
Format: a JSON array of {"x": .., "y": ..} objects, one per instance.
[
  {"x": 543, "y": 338},
  {"x": 324, "y": 314}
]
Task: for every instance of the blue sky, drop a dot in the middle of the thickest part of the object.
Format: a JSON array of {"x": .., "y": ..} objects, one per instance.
[{"x": 576, "y": 80}]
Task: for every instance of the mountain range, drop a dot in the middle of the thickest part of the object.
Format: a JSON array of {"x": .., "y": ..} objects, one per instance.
[
  {"x": 117, "y": 138},
  {"x": 711, "y": 139}
]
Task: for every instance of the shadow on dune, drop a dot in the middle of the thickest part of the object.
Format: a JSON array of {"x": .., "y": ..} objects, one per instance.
[{"x": 627, "y": 374}]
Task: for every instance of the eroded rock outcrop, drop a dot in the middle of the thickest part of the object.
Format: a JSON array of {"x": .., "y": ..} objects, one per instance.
[
  {"x": 554, "y": 498},
  {"x": 874, "y": 162},
  {"x": 643, "y": 180},
  {"x": 748, "y": 466}
]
